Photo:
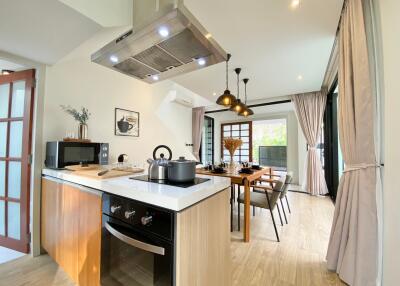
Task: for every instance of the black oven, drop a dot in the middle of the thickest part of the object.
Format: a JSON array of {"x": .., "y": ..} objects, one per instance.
[
  {"x": 137, "y": 245},
  {"x": 61, "y": 153}
]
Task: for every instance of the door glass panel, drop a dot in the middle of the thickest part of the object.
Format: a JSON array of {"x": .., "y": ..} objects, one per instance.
[
  {"x": 3, "y": 138},
  {"x": 2, "y": 178},
  {"x": 14, "y": 220},
  {"x": 18, "y": 98},
  {"x": 15, "y": 139},
  {"x": 14, "y": 179},
  {"x": 2, "y": 218},
  {"x": 227, "y": 127},
  {"x": 4, "y": 96}
]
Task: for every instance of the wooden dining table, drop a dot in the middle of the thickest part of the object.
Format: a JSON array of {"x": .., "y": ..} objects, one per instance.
[{"x": 245, "y": 180}]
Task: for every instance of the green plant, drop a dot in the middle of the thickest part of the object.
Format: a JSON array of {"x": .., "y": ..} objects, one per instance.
[{"x": 81, "y": 116}]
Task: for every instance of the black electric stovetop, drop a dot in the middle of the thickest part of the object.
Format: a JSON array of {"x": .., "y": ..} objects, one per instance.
[{"x": 196, "y": 181}]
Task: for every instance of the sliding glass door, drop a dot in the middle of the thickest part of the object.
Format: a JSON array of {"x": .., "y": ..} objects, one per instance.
[{"x": 207, "y": 141}]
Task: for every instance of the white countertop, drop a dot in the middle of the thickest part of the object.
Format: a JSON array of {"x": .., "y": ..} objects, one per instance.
[{"x": 170, "y": 197}]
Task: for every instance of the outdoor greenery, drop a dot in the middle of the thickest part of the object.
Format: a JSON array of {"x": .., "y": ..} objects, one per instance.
[{"x": 268, "y": 133}]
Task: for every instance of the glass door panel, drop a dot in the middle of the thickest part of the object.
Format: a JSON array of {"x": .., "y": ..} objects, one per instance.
[
  {"x": 4, "y": 97},
  {"x": 16, "y": 96}
]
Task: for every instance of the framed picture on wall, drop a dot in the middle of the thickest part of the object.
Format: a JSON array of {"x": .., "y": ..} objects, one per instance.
[{"x": 126, "y": 122}]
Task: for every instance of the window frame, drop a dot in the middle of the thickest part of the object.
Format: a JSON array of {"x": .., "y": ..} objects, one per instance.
[{"x": 240, "y": 123}]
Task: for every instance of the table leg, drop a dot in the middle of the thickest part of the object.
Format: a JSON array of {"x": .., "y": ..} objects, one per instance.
[{"x": 246, "y": 229}]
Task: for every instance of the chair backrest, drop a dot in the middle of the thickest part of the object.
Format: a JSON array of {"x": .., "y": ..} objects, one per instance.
[
  {"x": 288, "y": 180},
  {"x": 277, "y": 190}
]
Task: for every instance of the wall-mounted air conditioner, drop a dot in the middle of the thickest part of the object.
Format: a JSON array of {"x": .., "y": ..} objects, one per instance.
[{"x": 182, "y": 100}]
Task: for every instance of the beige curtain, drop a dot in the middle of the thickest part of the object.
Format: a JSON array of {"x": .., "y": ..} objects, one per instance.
[
  {"x": 353, "y": 244},
  {"x": 310, "y": 109},
  {"x": 197, "y": 128}
]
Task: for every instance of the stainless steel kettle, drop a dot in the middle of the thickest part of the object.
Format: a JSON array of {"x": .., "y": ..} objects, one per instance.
[{"x": 158, "y": 166}]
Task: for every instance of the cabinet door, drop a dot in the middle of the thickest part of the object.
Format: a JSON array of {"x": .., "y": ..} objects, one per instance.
[
  {"x": 71, "y": 230},
  {"x": 89, "y": 239},
  {"x": 51, "y": 214}
]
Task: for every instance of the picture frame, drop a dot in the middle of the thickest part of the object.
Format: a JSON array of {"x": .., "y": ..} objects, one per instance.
[{"x": 126, "y": 122}]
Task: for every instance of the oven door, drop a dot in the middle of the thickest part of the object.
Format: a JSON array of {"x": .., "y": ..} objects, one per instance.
[{"x": 131, "y": 258}]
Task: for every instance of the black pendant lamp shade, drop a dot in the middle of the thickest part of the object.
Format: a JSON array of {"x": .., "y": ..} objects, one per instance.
[
  {"x": 226, "y": 99},
  {"x": 238, "y": 106},
  {"x": 247, "y": 111}
]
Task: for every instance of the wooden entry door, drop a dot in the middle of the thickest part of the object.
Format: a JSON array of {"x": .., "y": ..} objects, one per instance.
[{"x": 16, "y": 102}]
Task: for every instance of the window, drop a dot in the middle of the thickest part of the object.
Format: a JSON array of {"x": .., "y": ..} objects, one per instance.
[
  {"x": 207, "y": 141},
  {"x": 270, "y": 142},
  {"x": 242, "y": 130}
]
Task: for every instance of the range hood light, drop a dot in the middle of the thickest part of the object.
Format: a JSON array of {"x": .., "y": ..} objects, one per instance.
[
  {"x": 155, "y": 77},
  {"x": 201, "y": 61},
  {"x": 163, "y": 31},
  {"x": 114, "y": 59}
]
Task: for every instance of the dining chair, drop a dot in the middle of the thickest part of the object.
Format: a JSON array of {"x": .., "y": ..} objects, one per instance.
[
  {"x": 288, "y": 181},
  {"x": 266, "y": 198}
]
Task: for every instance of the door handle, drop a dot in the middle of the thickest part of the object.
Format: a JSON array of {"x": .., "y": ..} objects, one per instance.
[{"x": 134, "y": 242}]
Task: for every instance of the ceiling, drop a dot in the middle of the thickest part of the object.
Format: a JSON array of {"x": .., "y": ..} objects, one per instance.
[
  {"x": 7, "y": 65},
  {"x": 272, "y": 43},
  {"x": 42, "y": 30}
]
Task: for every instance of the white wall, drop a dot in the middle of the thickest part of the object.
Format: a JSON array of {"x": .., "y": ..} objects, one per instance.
[
  {"x": 77, "y": 82},
  {"x": 295, "y": 137},
  {"x": 390, "y": 28}
]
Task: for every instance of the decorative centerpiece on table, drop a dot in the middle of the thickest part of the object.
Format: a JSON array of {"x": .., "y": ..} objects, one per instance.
[
  {"x": 82, "y": 117},
  {"x": 232, "y": 144}
]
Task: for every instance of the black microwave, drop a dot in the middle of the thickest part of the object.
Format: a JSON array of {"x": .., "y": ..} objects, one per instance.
[{"x": 61, "y": 153}]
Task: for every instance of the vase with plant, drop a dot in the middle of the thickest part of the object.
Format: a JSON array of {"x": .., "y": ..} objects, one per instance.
[
  {"x": 82, "y": 117},
  {"x": 232, "y": 144}
]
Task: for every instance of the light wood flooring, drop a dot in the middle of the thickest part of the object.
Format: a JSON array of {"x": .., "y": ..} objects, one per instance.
[{"x": 299, "y": 259}]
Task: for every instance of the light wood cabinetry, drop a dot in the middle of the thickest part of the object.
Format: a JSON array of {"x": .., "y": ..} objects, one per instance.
[
  {"x": 203, "y": 243},
  {"x": 71, "y": 230}
]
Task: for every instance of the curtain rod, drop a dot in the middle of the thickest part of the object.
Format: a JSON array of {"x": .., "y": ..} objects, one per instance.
[{"x": 253, "y": 105}]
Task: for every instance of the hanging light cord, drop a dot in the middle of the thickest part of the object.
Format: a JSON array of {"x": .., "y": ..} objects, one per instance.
[
  {"x": 245, "y": 93},
  {"x": 238, "y": 90},
  {"x": 226, "y": 72}
]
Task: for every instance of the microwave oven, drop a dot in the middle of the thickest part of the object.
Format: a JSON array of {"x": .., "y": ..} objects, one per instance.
[{"x": 60, "y": 154}]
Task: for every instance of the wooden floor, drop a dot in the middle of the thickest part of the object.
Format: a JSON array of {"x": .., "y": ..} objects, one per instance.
[{"x": 299, "y": 259}]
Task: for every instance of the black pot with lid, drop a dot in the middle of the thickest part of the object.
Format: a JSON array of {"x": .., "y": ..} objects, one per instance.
[{"x": 181, "y": 170}]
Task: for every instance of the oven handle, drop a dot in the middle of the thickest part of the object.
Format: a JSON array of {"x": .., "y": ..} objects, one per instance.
[{"x": 136, "y": 243}]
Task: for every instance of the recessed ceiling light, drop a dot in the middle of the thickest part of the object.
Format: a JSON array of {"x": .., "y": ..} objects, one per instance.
[
  {"x": 201, "y": 61},
  {"x": 155, "y": 77},
  {"x": 208, "y": 35},
  {"x": 300, "y": 77},
  {"x": 163, "y": 31},
  {"x": 214, "y": 93},
  {"x": 114, "y": 59},
  {"x": 294, "y": 4}
]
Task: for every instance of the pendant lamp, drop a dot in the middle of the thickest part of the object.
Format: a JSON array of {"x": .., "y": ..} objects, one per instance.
[
  {"x": 247, "y": 111},
  {"x": 238, "y": 106},
  {"x": 226, "y": 99}
]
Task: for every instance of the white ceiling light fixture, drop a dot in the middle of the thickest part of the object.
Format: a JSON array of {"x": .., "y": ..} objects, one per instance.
[
  {"x": 294, "y": 4},
  {"x": 214, "y": 93},
  {"x": 201, "y": 61},
  {"x": 163, "y": 31},
  {"x": 155, "y": 77},
  {"x": 114, "y": 59},
  {"x": 299, "y": 77}
]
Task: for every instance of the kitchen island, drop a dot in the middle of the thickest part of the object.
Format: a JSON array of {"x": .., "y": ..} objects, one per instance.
[{"x": 75, "y": 222}]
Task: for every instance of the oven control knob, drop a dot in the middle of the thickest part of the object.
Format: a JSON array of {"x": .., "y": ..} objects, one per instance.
[
  {"x": 114, "y": 209},
  {"x": 146, "y": 220},
  {"x": 129, "y": 214}
]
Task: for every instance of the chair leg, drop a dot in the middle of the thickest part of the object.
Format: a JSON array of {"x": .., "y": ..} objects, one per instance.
[
  {"x": 232, "y": 200},
  {"x": 238, "y": 216},
  {"x": 283, "y": 209},
  {"x": 279, "y": 212},
  {"x": 254, "y": 211},
  {"x": 288, "y": 204},
  {"x": 273, "y": 220}
]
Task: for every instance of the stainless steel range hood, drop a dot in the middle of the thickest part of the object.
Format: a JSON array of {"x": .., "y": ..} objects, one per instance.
[{"x": 166, "y": 40}]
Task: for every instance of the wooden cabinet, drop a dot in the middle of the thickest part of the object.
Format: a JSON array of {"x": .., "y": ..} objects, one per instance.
[
  {"x": 71, "y": 229},
  {"x": 203, "y": 255}
]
